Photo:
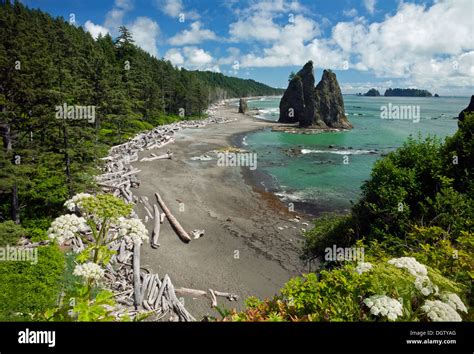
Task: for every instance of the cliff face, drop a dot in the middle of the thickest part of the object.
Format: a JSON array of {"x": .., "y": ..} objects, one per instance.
[
  {"x": 292, "y": 102},
  {"x": 329, "y": 105},
  {"x": 468, "y": 109},
  {"x": 320, "y": 107}
]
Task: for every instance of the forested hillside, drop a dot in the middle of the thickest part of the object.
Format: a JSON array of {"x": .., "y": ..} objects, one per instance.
[{"x": 46, "y": 63}]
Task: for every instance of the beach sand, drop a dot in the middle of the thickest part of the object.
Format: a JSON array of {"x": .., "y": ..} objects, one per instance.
[{"x": 244, "y": 250}]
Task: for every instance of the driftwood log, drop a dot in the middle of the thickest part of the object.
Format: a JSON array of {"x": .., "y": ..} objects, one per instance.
[
  {"x": 176, "y": 225},
  {"x": 136, "y": 274},
  {"x": 156, "y": 228}
]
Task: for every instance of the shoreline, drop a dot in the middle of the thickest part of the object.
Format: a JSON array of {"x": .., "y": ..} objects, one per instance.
[{"x": 252, "y": 242}]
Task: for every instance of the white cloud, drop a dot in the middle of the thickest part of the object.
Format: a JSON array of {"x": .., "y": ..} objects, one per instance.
[
  {"x": 256, "y": 27},
  {"x": 273, "y": 6},
  {"x": 114, "y": 19},
  {"x": 256, "y": 22},
  {"x": 424, "y": 46},
  {"x": 175, "y": 8},
  {"x": 295, "y": 44},
  {"x": 194, "y": 35},
  {"x": 350, "y": 13},
  {"x": 172, "y": 7},
  {"x": 175, "y": 57},
  {"x": 95, "y": 30},
  {"x": 197, "y": 56},
  {"x": 418, "y": 43},
  {"x": 192, "y": 58},
  {"x": 370, "y": 6},
  {"x": 145, "y": 33},
  {"x": 124, "y": 4}
]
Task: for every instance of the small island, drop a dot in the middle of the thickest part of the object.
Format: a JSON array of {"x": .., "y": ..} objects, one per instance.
[
  {"x": 399, "y": 92},
  {"x": 372, "y": 93}
]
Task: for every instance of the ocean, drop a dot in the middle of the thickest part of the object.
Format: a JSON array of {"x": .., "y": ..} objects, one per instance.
[{"x": 323, "y": 172}]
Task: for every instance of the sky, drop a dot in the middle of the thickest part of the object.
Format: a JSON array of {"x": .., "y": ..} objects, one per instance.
[{"x": 367, "y": 43}]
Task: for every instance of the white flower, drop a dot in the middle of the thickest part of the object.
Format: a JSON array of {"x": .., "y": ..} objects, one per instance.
[
  {"x": 133, "y": 229},
  {"x": 89, "y": 271},
  {"x": 454, "y": 301},
  {"x": 381, "y": 305},
  {"x": 66, "y": 227},
  {"x": 363, "y": 267},
  {"x": 75, "y": 201},
  {"x": 410, "y": 264},
  {"x": 426, "y": 287},
  {"x": 438, "y": 311}
]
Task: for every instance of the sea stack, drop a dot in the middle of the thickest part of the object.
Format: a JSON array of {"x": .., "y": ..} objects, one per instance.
[
  {"x": 468, "y": 109},
  {"x": 243, "y": 108},
  {"x": 313, "y": 107}
]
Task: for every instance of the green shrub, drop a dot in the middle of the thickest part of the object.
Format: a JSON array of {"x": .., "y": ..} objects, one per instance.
[
  {"x": 340, "y": 294},
  {"x": 27, "y": 288},
  {"x": 10, "y": 233}
]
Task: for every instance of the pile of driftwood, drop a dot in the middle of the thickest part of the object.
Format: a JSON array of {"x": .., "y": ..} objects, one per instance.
[
  {"x": 137, "y": 289},
  {"x": 119, "y": 176}
]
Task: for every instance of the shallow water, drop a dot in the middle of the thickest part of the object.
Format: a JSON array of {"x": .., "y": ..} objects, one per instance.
[{"x": 330, "y": 177}]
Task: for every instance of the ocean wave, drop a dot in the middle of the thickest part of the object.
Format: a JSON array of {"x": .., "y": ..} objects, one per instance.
[
  {"x": 338, "y": 152},
  {"x": 292, "y": 196},
  {"x": 268, "y": 111},
  {"x": 244, "y": 141}
]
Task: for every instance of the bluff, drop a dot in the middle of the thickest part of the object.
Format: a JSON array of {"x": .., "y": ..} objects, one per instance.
[
  {"x": 468, "y": 109},
  {"x": 315, "y": 107}
]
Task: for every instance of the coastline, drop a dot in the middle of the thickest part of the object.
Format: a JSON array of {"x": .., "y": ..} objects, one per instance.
[{"x": 251, "y": 242}]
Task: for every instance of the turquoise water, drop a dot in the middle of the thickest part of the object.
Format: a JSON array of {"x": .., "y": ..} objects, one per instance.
[{"x": 317, "y": 178}]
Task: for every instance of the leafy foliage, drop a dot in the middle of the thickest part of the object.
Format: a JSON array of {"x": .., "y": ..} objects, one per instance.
[{"x": 338, "y": 295}]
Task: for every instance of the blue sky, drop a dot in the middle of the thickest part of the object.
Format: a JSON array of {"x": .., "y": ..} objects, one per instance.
[{"x": 368, "y": 43}]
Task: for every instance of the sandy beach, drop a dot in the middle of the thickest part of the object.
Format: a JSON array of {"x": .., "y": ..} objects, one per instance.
[{"x": 250, "y": 246}]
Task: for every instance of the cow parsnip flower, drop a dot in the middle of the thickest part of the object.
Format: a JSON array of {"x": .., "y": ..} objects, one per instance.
[
  {"x": 454, "y": 301},
  {"x": 382, "y": 305},
  {"x": 363, "y": 267},
  {"x": 438, "y": 311},
  {"x": 411, "y": 264},
  {"x": 425, "y": 286},
  {"x": 75, "y": 201},
  {"x": 89, "y": 271},
  {"x": 133, "y": 229},
  {"x": 66, "y": 227}
]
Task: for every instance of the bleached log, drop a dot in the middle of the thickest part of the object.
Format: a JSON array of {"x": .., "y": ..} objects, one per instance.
[
  {"x": 148, "y": 211},
  {"x": 156, "y": 228},
  {"x": 168, "y": 155},
  {"x": 176, "y": 225},
  {"x": 145, "y": 285},
  {"x": 164, "y": 284},
  {"x": 191, "y": 292},
  {"x": 213, "y": 298},
  {"x": 229, "y": 296},
  {"x": 136, "y": 274},
  {"x": 179, "y": 308}
]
